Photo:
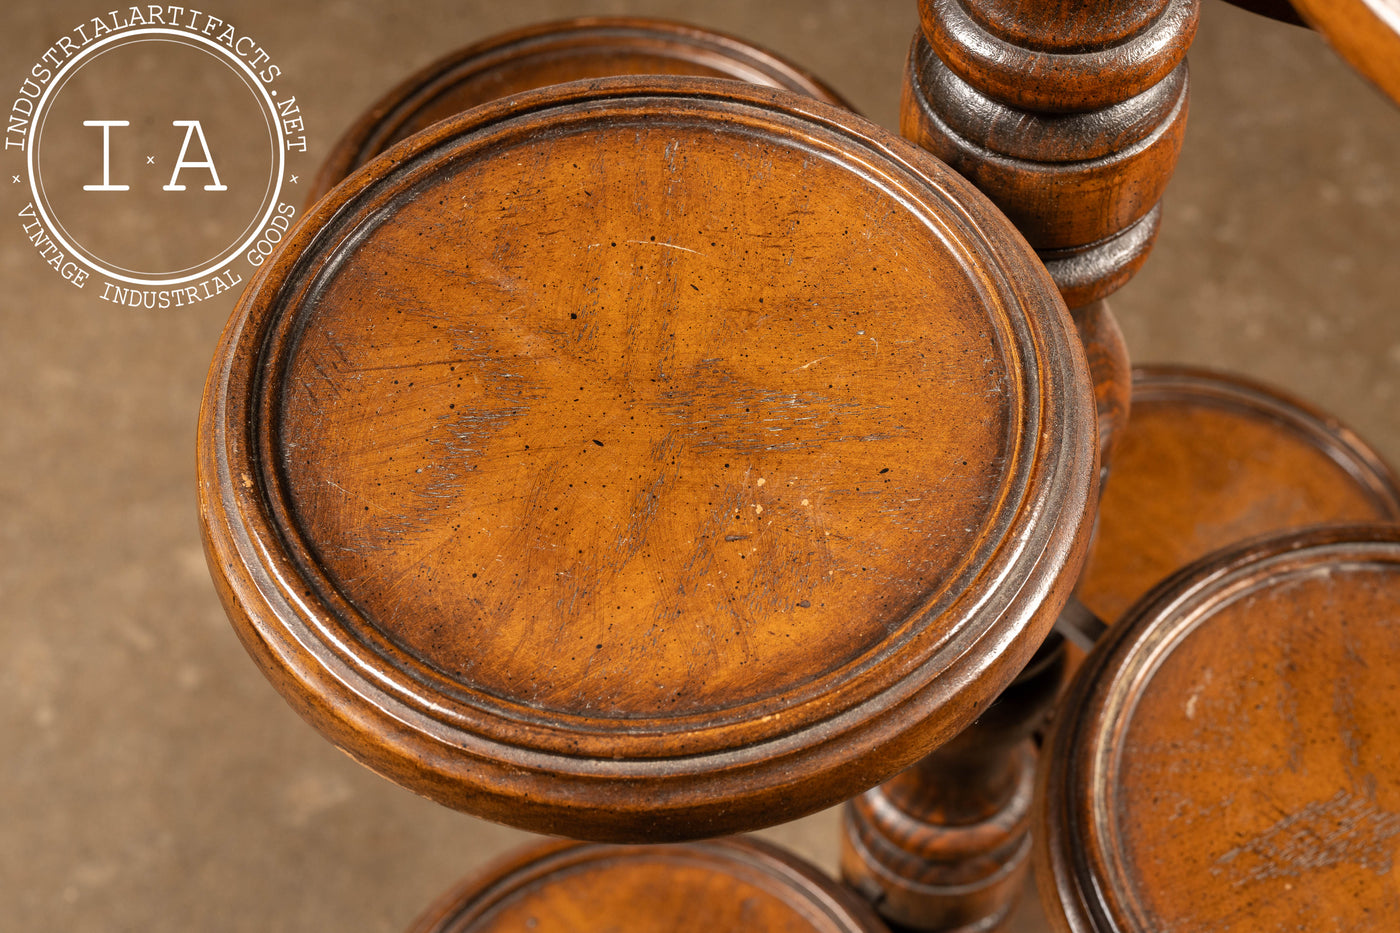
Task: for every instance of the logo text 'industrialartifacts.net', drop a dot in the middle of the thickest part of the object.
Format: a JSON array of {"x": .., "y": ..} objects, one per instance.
[{"x": 157, "y": 143}]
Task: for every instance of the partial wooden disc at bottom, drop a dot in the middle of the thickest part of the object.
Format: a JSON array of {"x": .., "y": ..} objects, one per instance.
[
  {"x": 1225, "y": 760},
  {"x": 723, "y": 885}
]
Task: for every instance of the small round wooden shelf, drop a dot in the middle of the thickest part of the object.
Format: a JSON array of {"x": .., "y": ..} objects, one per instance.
[
  {"x": 553, "y": 53},
  {"x": 1209, "y": 459},
  {"x": 1225, "y": 758},
  {"x": 740, "y": 885},
  {"x": 647, "y": 459}
]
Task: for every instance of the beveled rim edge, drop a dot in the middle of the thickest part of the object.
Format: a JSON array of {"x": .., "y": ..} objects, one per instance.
[
  {"x": 1167, "y": 383},
  {"x": 1022, "y": 618},
  {"x": 786, "y": 877},
  {"x": 1078, "y": 859},
  {"x": 365, "y": 137}
]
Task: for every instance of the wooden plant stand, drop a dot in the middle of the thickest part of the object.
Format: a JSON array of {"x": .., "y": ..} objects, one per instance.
[
  {"x": 651, "y": 459},
  {"x": 647, "y": 459}
]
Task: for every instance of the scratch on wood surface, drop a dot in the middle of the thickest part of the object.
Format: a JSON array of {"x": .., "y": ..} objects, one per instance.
[
  {"x": 1344, "y": 829},
  {"x": 685, "y": 249},
  {"x": 1193, "y": 697}
]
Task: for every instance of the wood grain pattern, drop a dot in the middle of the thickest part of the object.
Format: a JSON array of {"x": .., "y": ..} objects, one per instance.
[
  {"x": 552, "y": 53},
  {"x": 1194, "y": 785},
  {"x": 647, "y": 459},
  {"x": 1064, "y": 180},
  {"x": 727, "y": 884},
  {"x": 1070, "y": 117},
  {"x": 1063, "y": 56},
  {"x": 1209, "y": 459}
]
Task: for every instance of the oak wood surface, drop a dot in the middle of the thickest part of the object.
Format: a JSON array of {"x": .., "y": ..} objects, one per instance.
[
  {"x": 1209, "y": 459},
  {"x": 725, "y": 884},
  {"x": 552, "y": 53},
  {"x": 1224, "y": 759},
  {"x": 647, "y": 459}
]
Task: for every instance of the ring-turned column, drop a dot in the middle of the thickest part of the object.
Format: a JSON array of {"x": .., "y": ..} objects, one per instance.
[{"x": 1069, "y": 116}]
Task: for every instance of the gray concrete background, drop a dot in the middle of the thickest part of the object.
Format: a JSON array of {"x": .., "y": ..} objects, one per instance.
[{"x": 151, "y": 780}]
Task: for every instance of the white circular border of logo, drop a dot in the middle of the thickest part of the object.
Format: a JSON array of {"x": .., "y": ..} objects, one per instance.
[{"x": 39, "y": 199}]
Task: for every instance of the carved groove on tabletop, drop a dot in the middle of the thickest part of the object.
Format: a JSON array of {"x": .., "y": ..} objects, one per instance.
[{"x": 364, "y": 458}]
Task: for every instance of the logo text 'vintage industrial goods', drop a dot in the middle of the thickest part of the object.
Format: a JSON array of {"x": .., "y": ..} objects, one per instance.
[{"x": 157, "y": 144}]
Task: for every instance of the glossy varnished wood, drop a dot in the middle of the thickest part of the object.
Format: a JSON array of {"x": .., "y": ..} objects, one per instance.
[
  {"x": 1224, "y": 761},
  {"x": 741, "y": 885},
  {"x": 946, "y": 845},
  {"x": 552, "y": 53},
  {"x": 1209, "y": 459},
  {"x": 1068, "y": 115},
  {"x": 1111, "y": 371},
  {"x": 647, "y": 459},
  {"x": 1061, "y": 56}
]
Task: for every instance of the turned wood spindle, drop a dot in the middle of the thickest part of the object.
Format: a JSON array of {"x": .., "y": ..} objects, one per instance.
[
  {"x": 944, "y": 845},
  {"x": 1069, "y": 116}
]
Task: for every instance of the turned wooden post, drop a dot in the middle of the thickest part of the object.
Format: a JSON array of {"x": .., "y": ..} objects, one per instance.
[
  {"x": 945, "y": 844},
  {"x": 1069, "y": 116}
]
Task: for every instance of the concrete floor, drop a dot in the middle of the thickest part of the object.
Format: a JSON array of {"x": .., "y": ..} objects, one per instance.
[{"x": 151, "y": 780}]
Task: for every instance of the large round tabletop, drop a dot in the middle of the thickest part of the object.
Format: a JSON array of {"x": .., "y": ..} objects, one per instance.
[{"x": 646, "y": 459}]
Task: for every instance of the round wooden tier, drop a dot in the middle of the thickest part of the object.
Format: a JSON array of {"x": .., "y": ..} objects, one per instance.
[
  {"x": 1225, "y": 760},
  {"x": 553, "y": 53},
  {"x": 1209, "y": 459},
  {"x": 735, "y": 885},
  {"x": 648, "y": 459}
]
